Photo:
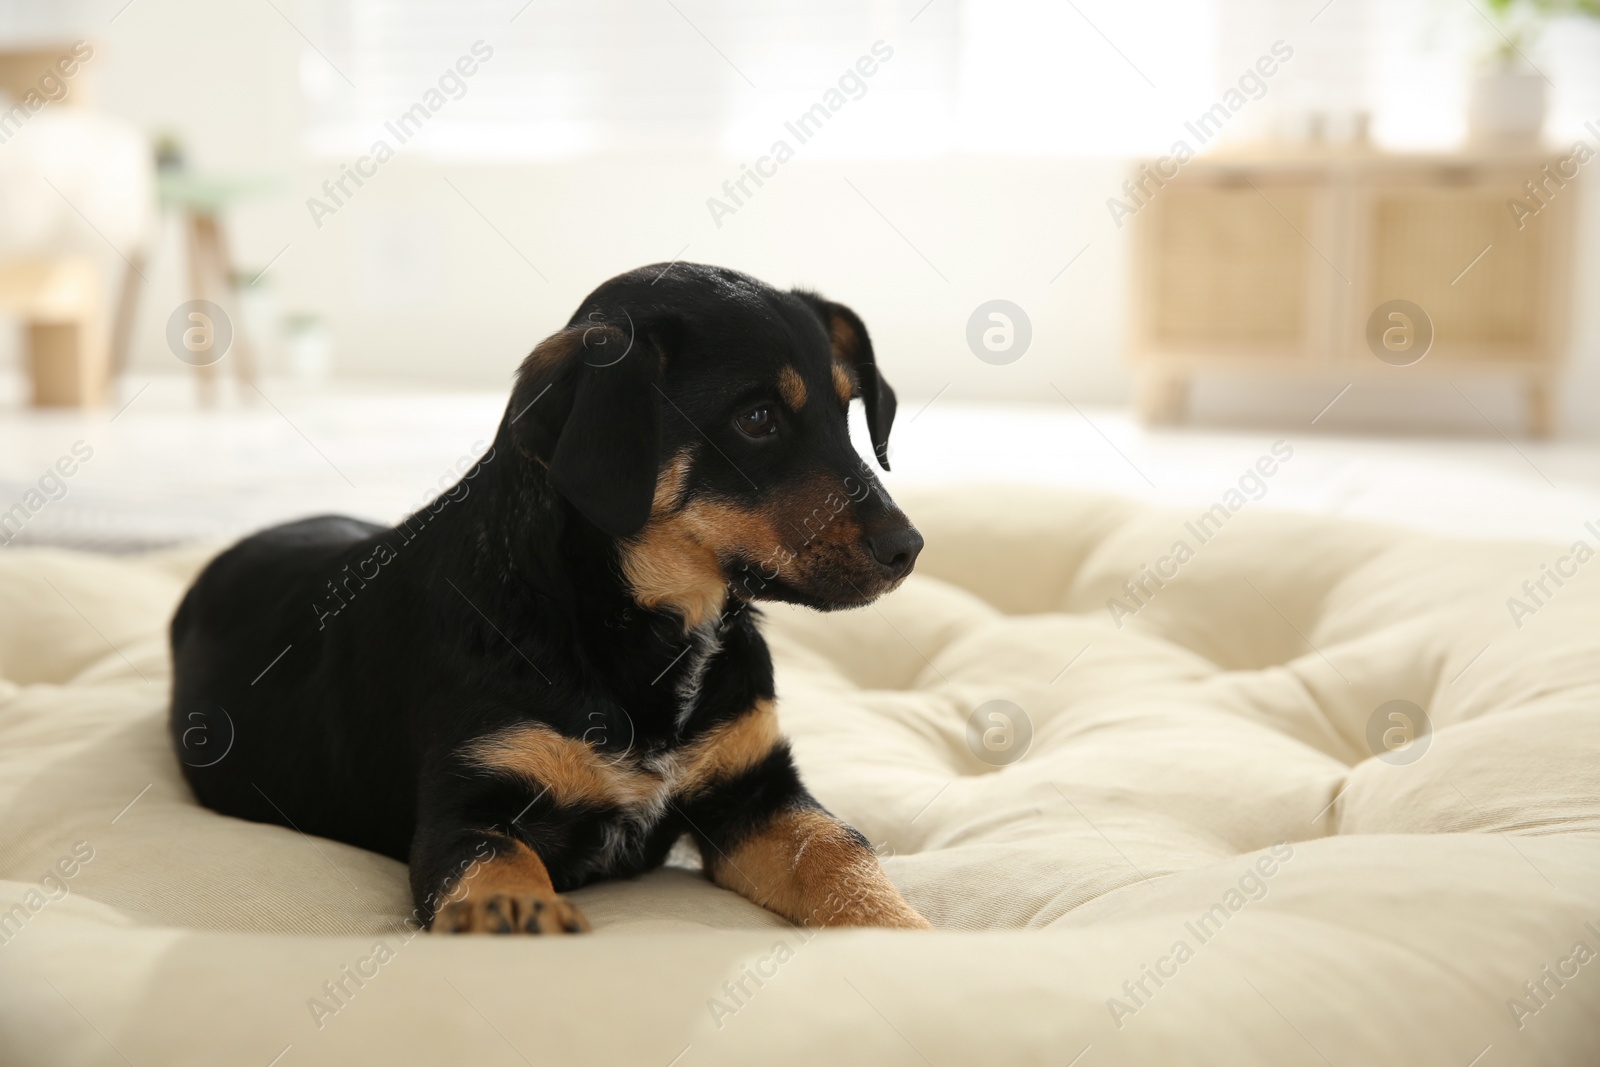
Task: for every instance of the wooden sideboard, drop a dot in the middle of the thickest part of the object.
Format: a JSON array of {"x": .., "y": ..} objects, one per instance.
[{"x": 1272, "y": 262}]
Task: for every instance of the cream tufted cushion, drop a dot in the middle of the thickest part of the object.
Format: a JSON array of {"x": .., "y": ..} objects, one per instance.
[{"x": 1197, "y": 857}]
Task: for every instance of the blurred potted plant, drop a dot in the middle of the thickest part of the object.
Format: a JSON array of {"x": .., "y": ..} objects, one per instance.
[
  {"x": 309, "y": 347},
  {"x": 1508, "y": 98}
]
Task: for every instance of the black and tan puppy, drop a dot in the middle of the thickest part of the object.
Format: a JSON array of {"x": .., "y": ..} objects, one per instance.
[{"x": 553, "y": 672}]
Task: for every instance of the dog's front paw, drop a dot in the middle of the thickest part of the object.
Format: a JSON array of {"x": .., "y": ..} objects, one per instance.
[
  {"x": 510, "y": 913},
  {"x": 886, "y": 910},
  {"x": 909, "y": 919}
]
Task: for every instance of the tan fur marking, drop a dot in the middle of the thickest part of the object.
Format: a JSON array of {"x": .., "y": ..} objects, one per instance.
[
  {"x": 669, "y": 484},
  {"x": 842, "y": 383},
  {"x": 564, "y": 344},
  {"x": 674, "y": 561},
  {"x": 843, "y": 338},
  {"x": 677, "y": 561},
  {"x": 510, "y": 892},
  {"x": 809, "y": 867},
  {"x": 514, "y": 868},
  {"x": 554, "y": 350},
  {"x": 574, "y": 773},
  {"x": 666, "y": 566},
  {"x": 792, "y": 388},
  {"x": 566, "y": 766},
  {"x": 732, "y": 748}
]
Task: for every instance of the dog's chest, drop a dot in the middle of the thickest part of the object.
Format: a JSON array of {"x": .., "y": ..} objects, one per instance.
[
  {"x": 703, "y": 645},
  {"x": 622, "y": 773},
  {"x": 623, "y": 837}
]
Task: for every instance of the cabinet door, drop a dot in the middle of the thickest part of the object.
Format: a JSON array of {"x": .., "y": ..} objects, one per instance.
[
  {"x": 1449, "y": 243},
  {"x": 1224, "y": 274}
]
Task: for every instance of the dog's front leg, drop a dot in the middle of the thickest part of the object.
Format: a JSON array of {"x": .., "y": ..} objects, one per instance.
[
  {"x": 806, "y": 865},
  {"x": 482, "y": 881}
]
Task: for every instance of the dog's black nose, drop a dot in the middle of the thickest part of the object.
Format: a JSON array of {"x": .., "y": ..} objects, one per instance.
[{"x": 896, "y": 550}]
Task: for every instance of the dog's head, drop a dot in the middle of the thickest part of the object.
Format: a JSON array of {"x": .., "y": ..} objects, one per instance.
[{"x": 698, "y": 417}]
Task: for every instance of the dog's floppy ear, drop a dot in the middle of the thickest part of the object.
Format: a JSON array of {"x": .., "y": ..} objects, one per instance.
[
  {"x": 852, "y": 347},
  {"x": 593, "y": 417}
]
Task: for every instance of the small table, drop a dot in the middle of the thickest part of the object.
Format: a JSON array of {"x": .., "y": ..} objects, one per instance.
[{"x": 201, "y": 200}]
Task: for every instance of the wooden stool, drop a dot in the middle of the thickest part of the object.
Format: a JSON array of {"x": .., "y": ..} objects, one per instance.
[
  {"x": 57, "y": 297},
  {"x": 61, "y": 302}
]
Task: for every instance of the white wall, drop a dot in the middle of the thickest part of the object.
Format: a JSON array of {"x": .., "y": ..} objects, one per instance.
[
  {"x": 417, "y": 283},
  {"x": 414, "y": 283}
]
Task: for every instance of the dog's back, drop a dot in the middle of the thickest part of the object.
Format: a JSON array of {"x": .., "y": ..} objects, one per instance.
[{"x": 238, "y": 707}]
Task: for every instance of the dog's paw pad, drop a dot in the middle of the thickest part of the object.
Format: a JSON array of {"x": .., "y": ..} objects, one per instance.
[{"x": 510, "y": 913}]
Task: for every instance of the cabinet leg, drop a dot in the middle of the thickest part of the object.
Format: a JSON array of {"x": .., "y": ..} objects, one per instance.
[
  {"x": 1163, "y": 398},
  {"x": 1541, "y": 408}
]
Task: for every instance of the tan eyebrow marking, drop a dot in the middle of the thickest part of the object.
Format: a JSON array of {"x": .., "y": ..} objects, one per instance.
[
  {"x": 792, "y": 388},
  {"x": 842, "y": 383}
]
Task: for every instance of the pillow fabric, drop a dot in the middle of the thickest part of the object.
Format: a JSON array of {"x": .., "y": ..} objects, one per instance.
[{"x": 1302, "y": 791}]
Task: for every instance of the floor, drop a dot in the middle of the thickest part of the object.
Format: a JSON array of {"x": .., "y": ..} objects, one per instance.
[{"x": 161, "y": 471}]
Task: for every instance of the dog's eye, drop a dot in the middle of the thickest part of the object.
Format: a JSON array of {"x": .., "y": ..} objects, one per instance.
[{"x": 757, "y": 423}]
